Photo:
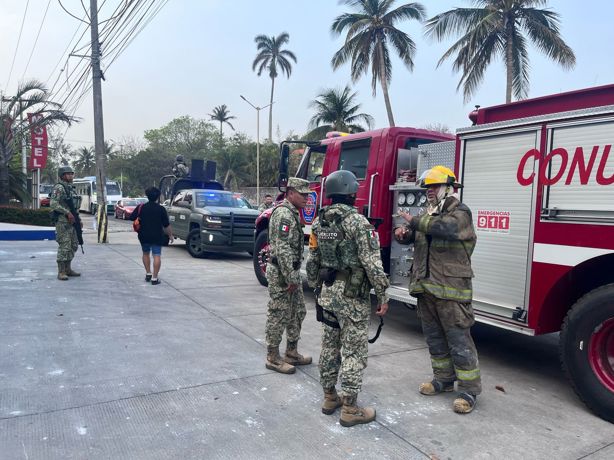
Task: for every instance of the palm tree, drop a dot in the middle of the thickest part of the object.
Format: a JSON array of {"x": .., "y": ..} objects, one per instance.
[
  {"x": 86, "y": 160},
  {"x": 222, "y": 114},
  {"x": 370, "y": 31},
  {"x": 336, "y": 110},
  {"x": 500, "y": 28},
  {"x": 31, "y": 96},
  {"x": 271, "y": 56}
]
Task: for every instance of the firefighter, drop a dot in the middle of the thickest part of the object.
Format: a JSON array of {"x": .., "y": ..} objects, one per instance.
[
  {"x": 444, "y": 239},
  {"x": 344, "y": 263}
]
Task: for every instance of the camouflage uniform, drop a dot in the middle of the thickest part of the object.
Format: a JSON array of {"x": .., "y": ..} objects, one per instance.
[
  {"x": 345, "y": 349},
  {"x": 441, "y": 280},
  {"x": 264, "y": 206},
  {"x": 65, "y": 233},
  {"x": 286, "y": 310},
  {"x": 180, "y": 169}
]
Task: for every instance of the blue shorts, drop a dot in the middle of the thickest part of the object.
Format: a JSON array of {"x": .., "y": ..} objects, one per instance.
[{"x": 155, "y": 248}]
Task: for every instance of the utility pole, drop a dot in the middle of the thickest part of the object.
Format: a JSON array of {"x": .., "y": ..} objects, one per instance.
[{"x": 101, "y": 180}]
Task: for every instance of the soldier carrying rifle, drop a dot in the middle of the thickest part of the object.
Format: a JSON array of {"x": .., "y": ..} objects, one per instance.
[{"x": 65, "y": 205}]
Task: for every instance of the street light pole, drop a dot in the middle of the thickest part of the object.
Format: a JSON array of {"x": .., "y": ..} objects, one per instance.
[{"x": 258, "y": 109}]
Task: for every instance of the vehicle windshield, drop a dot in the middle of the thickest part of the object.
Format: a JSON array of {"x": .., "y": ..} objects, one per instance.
[
  {"x": 130, "y": 202},
  {"x": 45, "y": 189},
  {"x": 223, "y": 200},
  {"x": 113, "y": 189},
  {"x": 141, "y": 200},
  {"x": 242, "y": 202}
]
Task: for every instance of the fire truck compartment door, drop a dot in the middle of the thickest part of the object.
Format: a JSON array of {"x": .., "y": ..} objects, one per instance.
[
  {"x": 502, "y": 210},
  {"x": 580, "y": 172}
]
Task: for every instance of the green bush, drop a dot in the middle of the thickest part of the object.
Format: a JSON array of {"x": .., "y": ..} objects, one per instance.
[{"x": 15, "y": 215}]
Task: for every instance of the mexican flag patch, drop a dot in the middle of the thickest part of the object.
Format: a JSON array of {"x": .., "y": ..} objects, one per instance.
[{"x": 284, "y": 228}]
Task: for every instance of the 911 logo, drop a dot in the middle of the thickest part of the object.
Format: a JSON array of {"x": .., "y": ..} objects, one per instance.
[{"x": 309, "y": 211}]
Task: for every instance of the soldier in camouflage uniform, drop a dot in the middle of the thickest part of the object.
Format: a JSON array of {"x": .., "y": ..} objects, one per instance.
[
  {"x": 179, "y": 167},
  {"x": 286, "y": 309},
  {"x": 344, "y": 263},
  {"x": 444, "y": 239},
  {"x": 65, "y": 233}
]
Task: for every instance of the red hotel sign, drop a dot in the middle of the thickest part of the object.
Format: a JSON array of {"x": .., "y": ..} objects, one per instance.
[{"x": 38, "y": 159}]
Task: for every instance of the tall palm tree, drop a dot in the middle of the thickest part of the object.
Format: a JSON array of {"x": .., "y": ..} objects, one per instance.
[
  {"x": 31, "y": 96},
  {"x": 86, "y": 161},
  {"x": 500, "y": 28},
  {"x": 370, "y": 32},
  {"x": 336, "y": 110},
  {"x": 222, "y": 114},
  {"x": 272, "y": 57}
]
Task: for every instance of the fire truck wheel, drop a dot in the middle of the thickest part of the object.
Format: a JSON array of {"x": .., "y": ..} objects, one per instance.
[
  {"x": 587, "y": 350},
  {"x": 261, "y": 256},
  {"x": 193, "y": 244}
]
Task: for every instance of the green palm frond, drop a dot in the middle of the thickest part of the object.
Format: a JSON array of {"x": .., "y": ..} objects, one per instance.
[
  {"x": 504, "y": 29},
  {"x": 336, "y": 110}
]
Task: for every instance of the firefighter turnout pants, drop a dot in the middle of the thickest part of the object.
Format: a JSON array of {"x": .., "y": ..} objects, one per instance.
[{"x": 447, "y": 329}]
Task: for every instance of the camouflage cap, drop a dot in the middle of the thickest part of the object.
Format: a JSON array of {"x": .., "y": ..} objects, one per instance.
[{"x": 300, "y": 185}]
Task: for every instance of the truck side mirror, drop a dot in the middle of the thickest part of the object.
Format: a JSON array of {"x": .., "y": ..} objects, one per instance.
[{"x": 284, "y": 157}]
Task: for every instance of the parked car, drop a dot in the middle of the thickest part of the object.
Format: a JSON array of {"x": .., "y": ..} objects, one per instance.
[
  {"x": 212, "y": 221},
  {"x": 44, "y": 193},
  {"x": 125, "y": 206}
]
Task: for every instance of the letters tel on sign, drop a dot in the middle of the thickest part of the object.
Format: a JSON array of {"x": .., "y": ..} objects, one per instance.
[{"x": 39, "y": 142}]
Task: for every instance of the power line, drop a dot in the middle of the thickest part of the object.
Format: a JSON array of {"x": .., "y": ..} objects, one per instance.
[
  {"x": 23, "y": 20},
  {"x": 36, "y": 41}
]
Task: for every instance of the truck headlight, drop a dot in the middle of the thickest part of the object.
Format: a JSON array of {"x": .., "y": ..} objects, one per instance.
[{"x": 213, "y": 221}]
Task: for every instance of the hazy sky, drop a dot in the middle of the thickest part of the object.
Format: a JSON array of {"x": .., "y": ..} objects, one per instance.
[{"x": 197, "y": 54}]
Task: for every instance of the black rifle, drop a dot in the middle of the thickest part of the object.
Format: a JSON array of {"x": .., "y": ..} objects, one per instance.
[{"x": 77, "y": 223}]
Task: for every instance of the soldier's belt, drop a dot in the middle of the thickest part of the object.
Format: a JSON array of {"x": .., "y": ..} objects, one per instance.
[{"x": 295, "y": 265}]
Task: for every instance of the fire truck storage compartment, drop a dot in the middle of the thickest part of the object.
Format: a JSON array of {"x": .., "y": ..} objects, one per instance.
[
  {"x": 578, "y": 165},
  {"x": 502, "y": 214}
]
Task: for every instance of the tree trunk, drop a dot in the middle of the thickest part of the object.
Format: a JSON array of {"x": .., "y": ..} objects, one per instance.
[
  {"x": 384, "y": 83},
  {"x": 509, "y": 64},
  {"x": 4, "y": 183},
  {"x": 221, "y": 134},
  {"x": 271, "y": 110}
]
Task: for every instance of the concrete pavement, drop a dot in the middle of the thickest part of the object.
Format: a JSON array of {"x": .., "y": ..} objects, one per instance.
[{"x": 108, "y": 366}]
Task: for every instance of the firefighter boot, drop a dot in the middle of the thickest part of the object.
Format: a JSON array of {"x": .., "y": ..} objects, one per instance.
[
  {"x": 332, "y": 401},
  {"x": 352, "y": 415},
  {"x": 275, "y": 363},
  {"x": 62, "y": 271},
  {"x": 464, "y": 403},
  {"x": 70, "y": 271},
  {"x": 294, "y": 357},
  {"x": 435, "y": 387}
]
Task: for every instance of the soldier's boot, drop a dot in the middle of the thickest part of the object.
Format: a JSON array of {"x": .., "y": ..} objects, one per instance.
[
  {"x": 465, "y": 403},
  {"x": 351, "y": 414},
  {"x": 435, "y": 387},
  {"x": 70, "y": 271},
  {"x": 275, "y": 363},
  {"x": 62, "y": 271},
  {"x": 332, "y": 401},
  {"x": 293, "y": 357}
]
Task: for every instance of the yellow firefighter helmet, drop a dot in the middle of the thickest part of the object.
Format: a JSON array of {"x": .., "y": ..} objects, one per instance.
[{"x": 438, "y": 175}]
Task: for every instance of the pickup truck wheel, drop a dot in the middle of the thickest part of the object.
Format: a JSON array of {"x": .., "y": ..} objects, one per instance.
[
  {"x": 261, "y": 256},
  {"x": 587, "y": 350},
  {"x": 193, "y": 244}
]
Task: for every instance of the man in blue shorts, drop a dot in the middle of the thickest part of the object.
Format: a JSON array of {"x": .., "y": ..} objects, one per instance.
[{"x": 154, "y": 232}]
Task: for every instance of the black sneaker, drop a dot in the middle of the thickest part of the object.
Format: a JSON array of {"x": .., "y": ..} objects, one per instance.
[
  {"x": 156, "y": 281},
  {"x": 148, "y": 278}
]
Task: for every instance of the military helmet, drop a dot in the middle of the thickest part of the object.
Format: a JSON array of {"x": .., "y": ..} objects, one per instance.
[
  {"x": 179, "y": 158},
  {"x": 438, "y": 175},
  {"x": 64, "y": 169},
  {"x": 341, "y": 183}
]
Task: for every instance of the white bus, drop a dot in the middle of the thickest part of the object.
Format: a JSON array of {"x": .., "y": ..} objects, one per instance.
[{"x": 86, "y": 189}]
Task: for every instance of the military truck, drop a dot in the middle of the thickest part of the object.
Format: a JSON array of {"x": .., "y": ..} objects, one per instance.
[{"x": 204, "y": 215}]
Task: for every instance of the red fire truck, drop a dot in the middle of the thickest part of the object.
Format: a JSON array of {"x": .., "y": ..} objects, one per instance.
[{"x": 539, "y": 178}]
